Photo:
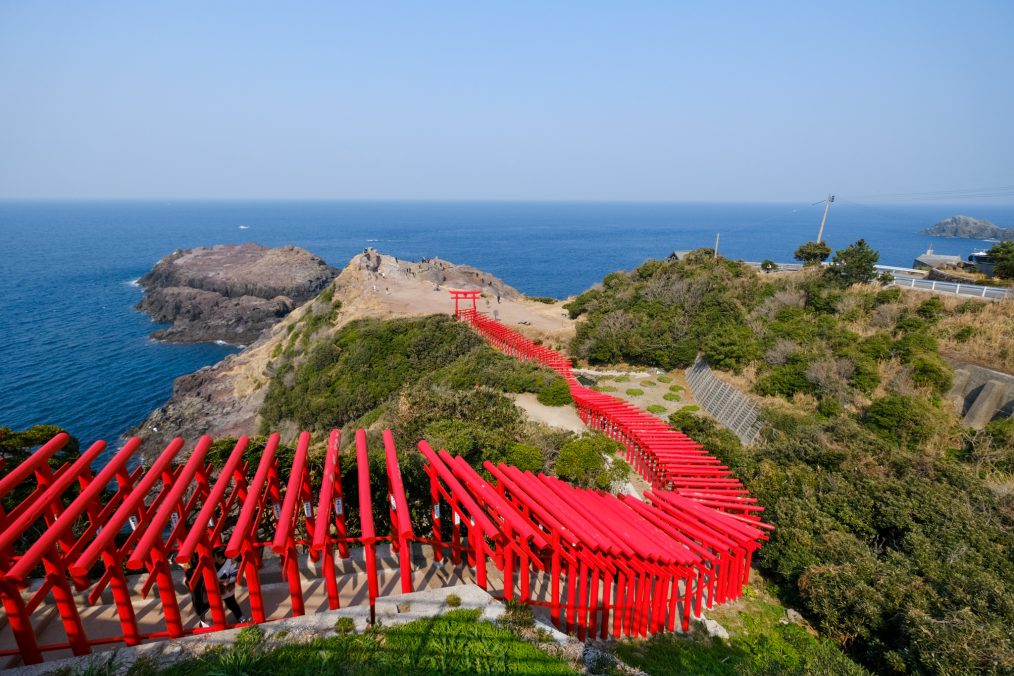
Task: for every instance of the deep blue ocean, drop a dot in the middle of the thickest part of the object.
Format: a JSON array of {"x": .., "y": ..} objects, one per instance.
[{"x": 74, "y": 352}]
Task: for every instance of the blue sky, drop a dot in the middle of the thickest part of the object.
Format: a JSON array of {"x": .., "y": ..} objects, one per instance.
[{"x": 520, "y": 100}]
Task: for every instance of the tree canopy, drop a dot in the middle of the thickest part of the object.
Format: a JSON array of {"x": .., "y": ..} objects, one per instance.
[{"x": 812, "y": 253}]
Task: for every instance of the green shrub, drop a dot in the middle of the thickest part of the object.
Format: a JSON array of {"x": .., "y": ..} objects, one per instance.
[
  {"x": 731, "y": 347},
  {"x": 526, "y": 457},
  {"x": 910, "y": 323},
  {"x": 582, "y": 303},
  {"x": 556, "y": 393},
  {"x": 542, "y": 299},
  {"x": 855, "y": 264},
  {"x": 906, "y": 421},
  {"x": 878, "y": 347},
  {"x": 866, "y": 375},
  {"x": 582, "y": 461},
  {"x": 786, "y": 380},
  {"x": 453, "y": 600},
  {"x": 929, "y": 370},
  {"x": 969, "y": 306},
  {"x": 635, "y": 392},
  {"x": 344, "y": 625},
  {"x": 915, "y": 343},
  {"x": 655, "y": 408},
  {"x": 964, "y": 334},
  {"x": 518, "y": 615},
  {"x": 891, "y": 294},
  {"x": 931, "y": 309}
]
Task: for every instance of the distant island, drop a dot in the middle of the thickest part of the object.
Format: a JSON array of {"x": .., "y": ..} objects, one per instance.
[
  {"x": 231, "y": 292},
  {"x": 972, "y": 228}
]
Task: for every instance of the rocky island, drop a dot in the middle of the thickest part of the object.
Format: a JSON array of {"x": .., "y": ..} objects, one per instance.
[
  {"x": 229, "y": 292},
  {"x": 972, "y": 228}
]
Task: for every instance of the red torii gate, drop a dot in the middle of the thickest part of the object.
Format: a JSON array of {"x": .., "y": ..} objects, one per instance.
[
  {"x": 662, "y": 455},
  {"x": 616, "y": 565},
  {"x": 460, "y": 295}
]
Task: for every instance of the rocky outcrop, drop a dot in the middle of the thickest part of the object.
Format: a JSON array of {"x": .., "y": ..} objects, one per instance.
[
  {"x": 972, "y": 228},
  {"x": 225, "y": 399},
  {"x": 229, "y": 292}
]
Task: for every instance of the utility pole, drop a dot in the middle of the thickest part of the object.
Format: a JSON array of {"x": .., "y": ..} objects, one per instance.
[
  {"x": 716, "y": 245},
  {"x": 827, "y": 204}
]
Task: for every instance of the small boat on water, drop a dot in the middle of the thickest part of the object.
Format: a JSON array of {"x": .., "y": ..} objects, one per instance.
[{"x": 244, "y": 227}]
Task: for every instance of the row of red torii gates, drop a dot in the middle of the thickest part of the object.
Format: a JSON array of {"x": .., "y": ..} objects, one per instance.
[{"x": 613, "y": 565}]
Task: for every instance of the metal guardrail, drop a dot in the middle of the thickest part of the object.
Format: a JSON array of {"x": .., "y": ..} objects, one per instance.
[
  {"x": 910, "y": 278},
  {"x": 954, "y": 288},
  {"x": 724, "y": 402}
]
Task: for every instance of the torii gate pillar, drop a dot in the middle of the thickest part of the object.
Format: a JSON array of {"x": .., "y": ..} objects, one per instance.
[{"x": 460, "y": 295}]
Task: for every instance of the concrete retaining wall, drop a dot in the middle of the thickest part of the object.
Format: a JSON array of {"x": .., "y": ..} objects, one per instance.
[{"x": 724, "y": 402}]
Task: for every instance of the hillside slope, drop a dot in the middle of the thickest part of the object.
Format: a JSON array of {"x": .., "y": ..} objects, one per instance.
[{"x": 224, "y": 399}]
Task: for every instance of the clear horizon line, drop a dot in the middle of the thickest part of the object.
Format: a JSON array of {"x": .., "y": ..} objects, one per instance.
[{"x": 495, "y": 200}]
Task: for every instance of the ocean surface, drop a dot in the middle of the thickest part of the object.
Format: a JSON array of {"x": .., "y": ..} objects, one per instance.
[{"x": 74, "y": 352}]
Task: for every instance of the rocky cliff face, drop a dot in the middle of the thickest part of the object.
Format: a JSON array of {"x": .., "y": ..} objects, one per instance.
[
  {"x": 972, "y": 228},
  {"x": 229, "y": 292},
  {"x": 224, "y": 399}
]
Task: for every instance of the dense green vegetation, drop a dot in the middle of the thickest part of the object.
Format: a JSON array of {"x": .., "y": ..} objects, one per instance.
[
  {"x": 582, "y": 461},
  {"x": 761, "y": 641},
  {"x": 900, "y": 554},
  {"x": 888, "y": 533},
  {"x": 454, "y": 643},
  {"x": 812, "y": 253},
  {"x": 340, "y": 378},
  {"x": 430, "y": 378},
  {"x": 1002, "y": 255}
]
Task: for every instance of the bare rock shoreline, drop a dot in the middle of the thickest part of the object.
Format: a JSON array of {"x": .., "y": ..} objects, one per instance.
[{"x": 229, "y": 292}]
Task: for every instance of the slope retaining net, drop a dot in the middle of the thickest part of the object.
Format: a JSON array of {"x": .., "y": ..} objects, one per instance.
[{"x": 92, "y": 560}]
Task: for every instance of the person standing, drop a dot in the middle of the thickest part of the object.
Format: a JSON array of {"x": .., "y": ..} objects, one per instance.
[
  {"x": 198, "y": 592},
  {"x": 228, "y": 571}
]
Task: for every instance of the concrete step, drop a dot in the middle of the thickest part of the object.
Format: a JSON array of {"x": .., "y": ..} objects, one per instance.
[{"x": 102, "y": 619}]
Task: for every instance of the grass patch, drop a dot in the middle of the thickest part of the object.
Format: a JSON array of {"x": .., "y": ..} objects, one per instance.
[
  {"x": 655, "y": 408},
  {"x": 518, "y": 615},
  {"x": 759, "y": 643},
  {"x": 648, "y": 383},
  {"x": 671, "y": 396},
  {"x": 635, "y": 392},
  {"x": 454, "y": 643},
  {"x": 622, "y": 379},
  {"x": 664, "y": 379},
  {"x": 604, "y": 388},
  {"x": 676, "y": 388},
  {"x": 542, "y": 299}
]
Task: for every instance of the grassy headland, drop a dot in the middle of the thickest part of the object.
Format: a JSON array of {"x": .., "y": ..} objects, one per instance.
[{"x": 888, "y": 533}]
